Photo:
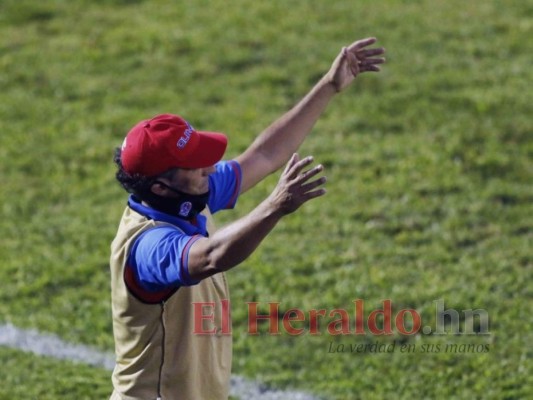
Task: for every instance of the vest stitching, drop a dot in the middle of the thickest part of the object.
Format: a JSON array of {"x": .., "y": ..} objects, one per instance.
[{"x": 162, "y": 351}]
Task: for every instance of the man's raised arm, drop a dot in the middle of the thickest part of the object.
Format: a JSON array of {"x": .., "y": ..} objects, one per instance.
[{"x": 275, "y": 145}]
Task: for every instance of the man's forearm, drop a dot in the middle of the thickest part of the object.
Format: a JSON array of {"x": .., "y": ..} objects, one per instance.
[
  {"x": 285, "y": 135},
  {"x": 232, "y": 244},
  {"x": 235, "y": 242},
  {"x": 275, "y": 145}
]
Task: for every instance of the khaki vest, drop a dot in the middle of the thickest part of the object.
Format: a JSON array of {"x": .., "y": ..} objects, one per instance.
[{"x": 158, "y": 354}]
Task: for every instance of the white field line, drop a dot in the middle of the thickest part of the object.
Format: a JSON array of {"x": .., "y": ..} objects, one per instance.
[{"x": 48, "y": 345}]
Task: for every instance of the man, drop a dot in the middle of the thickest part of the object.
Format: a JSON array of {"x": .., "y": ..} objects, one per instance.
[{"x": 167, "y": 259}]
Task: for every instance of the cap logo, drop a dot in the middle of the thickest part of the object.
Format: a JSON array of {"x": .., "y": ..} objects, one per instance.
[
  {"x": 185, "y": 209},
  {"x": 184, "y": 139}
]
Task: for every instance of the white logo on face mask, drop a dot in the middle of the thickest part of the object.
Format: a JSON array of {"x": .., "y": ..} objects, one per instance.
[
  {"x": 182, "y": 142},
  {"x": 185, "y": 209}
]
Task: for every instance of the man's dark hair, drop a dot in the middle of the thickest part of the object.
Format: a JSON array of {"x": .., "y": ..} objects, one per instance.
[{"x": 137, "y": 184}]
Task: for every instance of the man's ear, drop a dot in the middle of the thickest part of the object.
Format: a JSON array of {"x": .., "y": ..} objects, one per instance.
[{"x": 158, "y": 188}]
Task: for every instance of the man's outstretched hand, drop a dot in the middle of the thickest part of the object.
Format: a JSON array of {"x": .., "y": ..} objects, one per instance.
[
  {"x": 295, "y": 186},
  {"x": 353, "y": 60}
]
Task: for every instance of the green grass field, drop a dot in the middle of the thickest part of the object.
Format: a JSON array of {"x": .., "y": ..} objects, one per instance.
[{"x": 430, "y": 193}]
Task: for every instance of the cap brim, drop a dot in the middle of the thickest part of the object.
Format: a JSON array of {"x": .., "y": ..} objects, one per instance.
[{"x": 209, "y": 150}]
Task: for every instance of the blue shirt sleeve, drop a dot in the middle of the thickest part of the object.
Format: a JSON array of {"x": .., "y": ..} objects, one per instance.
[
  {"x": 159, "y": 258},
  {"x": 224, "y": 186}
]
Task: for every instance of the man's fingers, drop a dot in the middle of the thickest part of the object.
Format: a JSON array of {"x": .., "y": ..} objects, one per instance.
[
  {"x": 362, "y": 43},
  {"x": 361, "y": 59},
  {"x": 293, "y": 160},
  {"x": 371, "y": 52},
  {"x": 293, "y": 170},
  {"x": 370, "y": 61},
  {"x": 315, "y": 193},
  {"x": 314, "y": 184},
  {"x": 372, "y": 68},
  {"x": 305, "y": 176},
  {"x": 296, "y": 187}
]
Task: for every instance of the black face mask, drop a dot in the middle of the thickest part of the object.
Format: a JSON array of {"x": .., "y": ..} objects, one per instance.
[{"x": 187, "y": 206}]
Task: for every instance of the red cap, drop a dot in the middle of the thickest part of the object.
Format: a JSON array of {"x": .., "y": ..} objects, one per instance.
[{"x": 168, "y": 141}]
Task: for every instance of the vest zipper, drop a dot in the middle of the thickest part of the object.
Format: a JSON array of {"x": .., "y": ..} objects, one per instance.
[{"x": 162, "y": 351}]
